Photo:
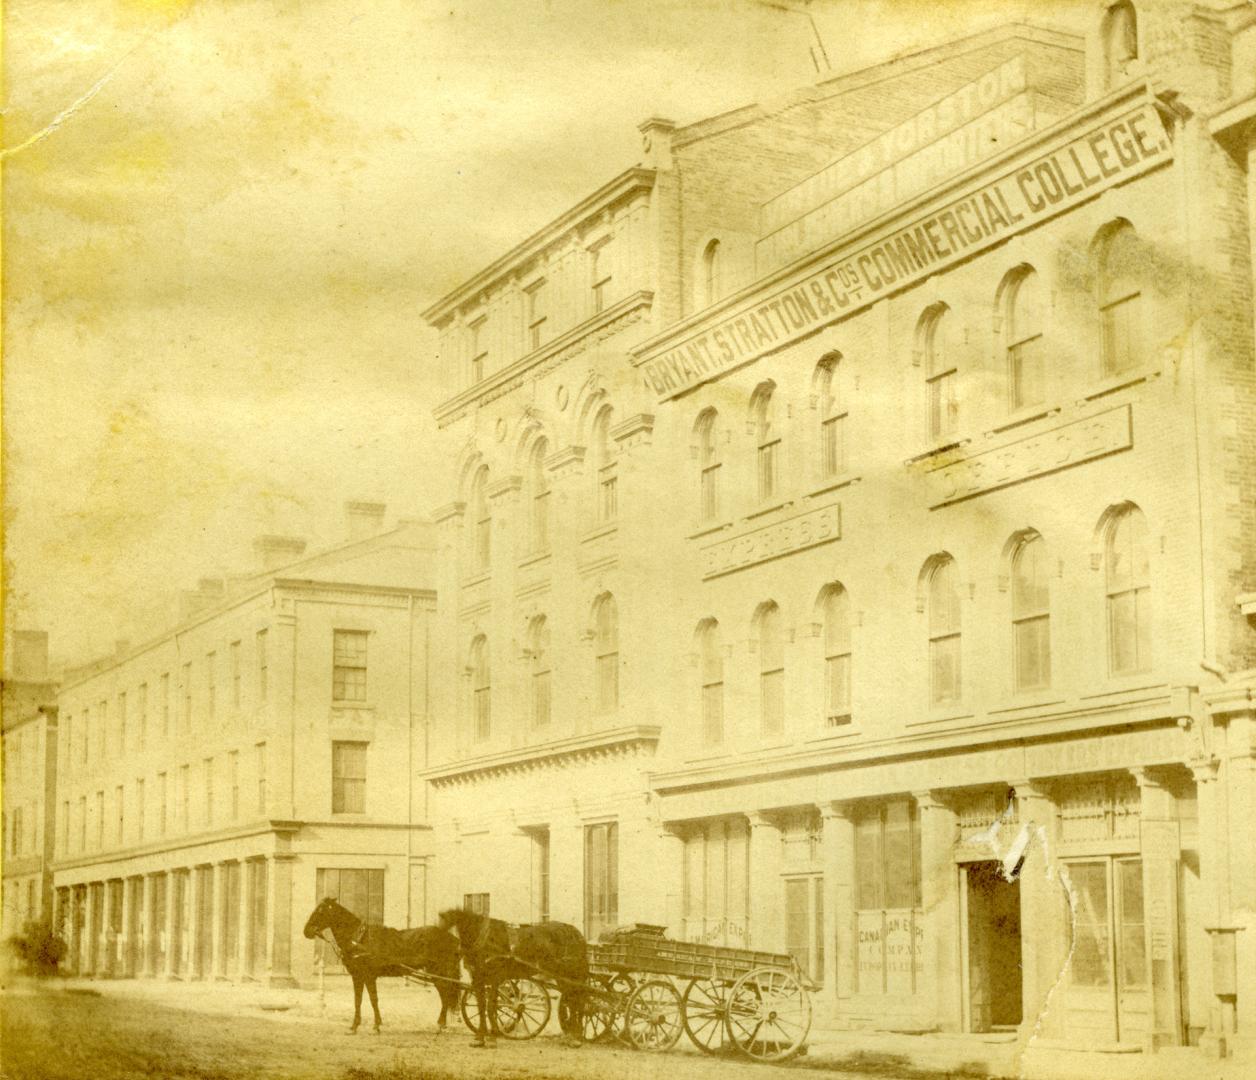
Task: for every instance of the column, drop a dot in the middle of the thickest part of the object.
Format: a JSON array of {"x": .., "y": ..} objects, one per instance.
[
  {"x": 838, "y": 841},
  {"x": 767, "y": 919},
  {"x": 939, "y": 888},
  {"x": 79, "y": 928},
  {"x": 148, "y": 967},
  {"x": 567, "y": 870},
  {"x": 106, "y": 943},
  {"x": 123, "y": 949},
  {"x": 244, "y": 921},
  {"x": 670, "y": 847},
  {"x": 218, "y": 888},
  {"x": 194, "y": 929},
  {"x": 279, "y": 915},
  {"x": 1159, "y": 848},
  {"x": 1044, "y": 934},
  {"x": 1241, "y": 797},
  {"x": 171, "y": 928},
  {"x": 1213, "y": 843}
]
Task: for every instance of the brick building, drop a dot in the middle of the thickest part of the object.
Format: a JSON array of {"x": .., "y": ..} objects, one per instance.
[
  {"x": 216, "y": 781},
  {"x": 851, "y": 506}
]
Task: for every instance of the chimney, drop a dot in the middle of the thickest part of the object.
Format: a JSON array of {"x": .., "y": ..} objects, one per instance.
[
  {"x": 30, "y": 655},
  {"x": 364, "y": 519},
  {"x": 275, "y": 551}
]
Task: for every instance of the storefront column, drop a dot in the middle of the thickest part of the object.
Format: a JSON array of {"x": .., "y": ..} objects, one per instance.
[
  {"x": 767, "y": 920},
  {"x": 192, "y": 962},
  {"x": 217, "y": 956},
  {"x": 244, "y": 923},
  {"x": 1214, "y": 891},
  {"x": 85, "y": 952},
  {"x": 279, "y": 934},
  {"x": 122, "y": 950},
  {"x": 1159, "y": 848},
  {"x": 1044, "y": 934},
  {"x": 939, "y": 894},
  {"x": 170, "y": 968},
  {"x": 671, "y": 870},
  {"x": 148, "y": 967},
  {"x": 107, "y": 943},
  {"x": 840, "y": 954}
]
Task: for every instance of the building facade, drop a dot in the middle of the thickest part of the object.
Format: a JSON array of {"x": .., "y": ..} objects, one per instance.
[
  {"x": 219, "y": 780},
  {"x": 852, "y": 509}
]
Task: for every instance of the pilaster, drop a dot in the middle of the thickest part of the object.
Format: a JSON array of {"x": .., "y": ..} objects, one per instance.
[
  {"x": 1044, "y": 936},
  {"x": 840, "y": 954},
  {"x": 170, "y": 968},
  {"x": 1159, "y": 847},
  {"x": 939, "y": 888},
  {"x": 279, "y": 934},
  {"x": 148, "y": 963},
  {"x": 766, "y": 894}
]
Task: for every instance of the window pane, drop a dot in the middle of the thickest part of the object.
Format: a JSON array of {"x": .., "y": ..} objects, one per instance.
[
  {"x": 713, "y": 713},
  {"x": 1090, "y": 965},
  {"x": 1033, "y": 658},
  {"x": 772, "y": 688},
  {"x": 899, "y": 857},
  {"x": 868, "y": 864},
  {"x": 944, "y": 669},
  {"x": 797, "y": 942}
]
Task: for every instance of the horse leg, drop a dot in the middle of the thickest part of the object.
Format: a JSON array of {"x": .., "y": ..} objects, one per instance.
[
  {"x": 492, "y": 1013},
  {"x": 478, "y": 990},
  {"x": 575, "y": 1037},
  {"x": 370, "y": 989},
  {"x": 357, "y": 1002},
  {"x": 446, "y": 1003}
]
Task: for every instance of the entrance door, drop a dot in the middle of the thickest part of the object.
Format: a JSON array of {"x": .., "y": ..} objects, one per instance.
[
  {"x": 994, "y": 947},
  {"x": 1109, "y": 993}
]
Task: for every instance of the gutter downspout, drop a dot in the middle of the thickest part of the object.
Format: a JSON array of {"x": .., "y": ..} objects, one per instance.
[{"x": 410, "y": 760}]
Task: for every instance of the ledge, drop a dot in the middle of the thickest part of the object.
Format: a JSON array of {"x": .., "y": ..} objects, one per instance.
[
  {"x": 627, "y": 740},
  {"x": 1120, "y": 382},
  {"x": 606, "y": 528},
  {"x": 937, "y": 451},
  {"x": 763, "y": 511},
  {"x": 833, "y": 484},
  {"x": 1022, "y": 417},
  {"x": 724, "y": 526}
]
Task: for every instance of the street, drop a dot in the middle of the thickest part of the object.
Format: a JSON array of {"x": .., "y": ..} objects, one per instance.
[{"x": 79, "y": 1031}]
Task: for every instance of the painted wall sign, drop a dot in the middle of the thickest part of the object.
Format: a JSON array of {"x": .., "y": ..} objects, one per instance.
[
  {"x": 1112, "y": 152},
  {"x": 1069, "y": 444},
  {"x": 793, "y": 534}
]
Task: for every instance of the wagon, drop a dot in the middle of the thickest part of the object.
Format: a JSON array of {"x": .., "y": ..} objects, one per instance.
[{"x": 719, "y": 996}]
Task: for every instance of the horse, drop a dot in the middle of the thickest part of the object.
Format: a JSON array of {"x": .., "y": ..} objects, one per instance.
[
  {"x": 369, "y": 951},
  {"x": 493, "y": 951}
]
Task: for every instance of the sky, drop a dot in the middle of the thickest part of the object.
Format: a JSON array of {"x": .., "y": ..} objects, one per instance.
[{"x": 223, "y": 218}]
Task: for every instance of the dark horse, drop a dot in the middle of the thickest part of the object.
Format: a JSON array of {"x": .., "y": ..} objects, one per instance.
[
  {"x": 371, "y": 951},
  {"x": 493, "y": 951}
]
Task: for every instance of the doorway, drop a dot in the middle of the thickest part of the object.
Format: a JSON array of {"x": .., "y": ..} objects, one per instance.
[{"x": 993, "y": 955}]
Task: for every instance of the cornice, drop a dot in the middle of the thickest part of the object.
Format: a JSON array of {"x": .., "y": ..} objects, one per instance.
[
  {"x": 574, "y": 341},
  {"x": 628, "y": 741},
  {"x": 447, "y": 511},
  {"x": 181, "y": 843}
]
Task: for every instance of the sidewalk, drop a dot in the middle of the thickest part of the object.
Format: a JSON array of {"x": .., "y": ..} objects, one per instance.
[{"x": 406, "y": 1007}]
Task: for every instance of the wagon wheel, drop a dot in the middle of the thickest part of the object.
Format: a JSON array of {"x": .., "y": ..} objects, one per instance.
[
  {"x": 620, "y": 985},
  {"x": 768, "y": 1014},
  {"x": 655, "y": 1016},
  {"x": 601, "y": 1016},
  {"x": 523, "y": 1008},
  {"x": 705, "y": 1002}
]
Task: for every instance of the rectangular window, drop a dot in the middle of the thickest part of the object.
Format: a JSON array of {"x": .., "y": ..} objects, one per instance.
[
  {"x": 541, "y": 697},
  {"x": 233, "y": 770},
  {"x": 161, "y": 804},
  {"x": 710, "y": 491},
  {"x": 1025, "y": 363},
  {"x": 361, "y": 891},
  {"x": 65, "y": 827},
  {"x": 348, "y": 777},
  {"x": 82, "y": 816},
  {"x": 100, "y": 820},
  {"x": 536, "y": 315},
  {"x": 804, "y": 924},
  {"x": 187, "y": 696},
  {"x": 888, "y": 898},
  {"x": 608, "y": 492},
  {"x": 943, "y": 404},
  {"x": 211, "y": 684},
  {"x": 833, "y": 445},
  {"x": 767, "y": 469},
  {"x": 944, "y": 669},
  {"x": 348, "y": 679},
  {"x": 479, "y": 348},
  {"x": 165, "y": 704},
  {"x": 716, "y": 893},
  {"x": 261, "y": 778},
  {"x": 235, "y": 675},
  {"x": 713, "y": 713},
  {"x": 102, "y": 732},
  {"x": 541, "y": 875},
  {"x": 122, "y": 723},
  {"x": 600, "y": 276},
  {"x": 141, "y": 733},
  {"x": 209, "y": 790},
  {"x": 1033, "y": 653},
  {"x": 185, "y": 796},
  {"x": 476, "y": 902},
  {"x": 601, "y": 878},
  {"x": 1120, "y": 335},
  {"x": 87, "y": 733},
  {"x": 139, "y": 810},
  {"x": 263, "y": 681}
]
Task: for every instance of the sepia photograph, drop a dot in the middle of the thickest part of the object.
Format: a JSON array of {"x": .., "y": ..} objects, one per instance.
[{"x": 579, "y": 539}]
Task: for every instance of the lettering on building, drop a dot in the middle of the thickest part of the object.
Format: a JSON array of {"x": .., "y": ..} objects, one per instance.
[{"x": 797, "y": 533}]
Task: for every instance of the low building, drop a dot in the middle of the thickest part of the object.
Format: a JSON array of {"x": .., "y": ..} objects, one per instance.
[{"x": 215, "y": 782}]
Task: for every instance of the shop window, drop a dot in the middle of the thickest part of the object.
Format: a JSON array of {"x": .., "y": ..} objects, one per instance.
[
  {"x": 711, "y": 660},
  {"x": 804, "y": 924},
  {"x": 361, "y": 891},
  {"x": 888, "y": 898},
  {"x": 1128, "y": 585},
  {"x": 348, "y": 777},
  {"x": 767, "y": 442},
  {"x": 539, "y": 659},
  {"x": 601, "y": 878},
  {"x": 348, "y": 674},
  {"x": 538, "y": 497},
  {"x": 832, "y": 418},
  {"x": 481, "y": 689},
  {"x": 716, "y": 883},
  {"x": 606, "y": 655},
  {"x": 1023, "y": 339},
  {"x": 709, "y": 465},
  {"x": 944, "y": 632},
  {"x": 771, "y": 647},
  {"x": 1121, "y": 265},
  {"x": 936, "y": 335},
  {"x": 1031, "y": 622},
  {"x": 605, "y": 469},
  {"x": 835, "y": 609}
]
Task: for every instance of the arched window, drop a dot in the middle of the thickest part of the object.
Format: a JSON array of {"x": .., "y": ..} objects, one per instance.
[
  {"x": 1031, "y": 615},
  {"x": 938, "y": 343},
  {"x": 1128, "y": 584},
  {"x": 481, "y": 521},
  {"x": 711, "y": 658},
  {"x": 771, "y": 670},
  {"x": 1022, "y": 334},
  {"x": 832, "y": 417},
  {"x": 708, "y": 466},
  {"x": 481, "y": 689},
  {"x": 712, "y": 283},
  {"x": 1120, "y": 43},
  {"x": 835, "y": 611},
  {"x": 944, "y": 635},
  {"x": 606, "y": 655},
  {"x": 538, "y": 490},
  {"x": 539, "y": 655},
  {"x": 606, "y": 499},
  {"x": 767, "y": 441},
  {"x": 1120, "y": 266}
]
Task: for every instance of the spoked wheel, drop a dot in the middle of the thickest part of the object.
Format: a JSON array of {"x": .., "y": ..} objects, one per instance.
[
  {"x": 768, "y": 1014},
  {"x": 655, "y": 1016},
  {"x": 620, "y": 986},
  {"x": 600, "y": 1020},
  {"x": 705, "y": 1001},
  {"x": 523, "y": 1009}
]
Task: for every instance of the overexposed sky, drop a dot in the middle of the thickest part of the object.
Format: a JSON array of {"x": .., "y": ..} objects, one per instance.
[{"x": 223, "y": 217}]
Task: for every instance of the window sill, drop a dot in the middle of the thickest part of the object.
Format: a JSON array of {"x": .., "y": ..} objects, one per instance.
[
  {"x": 605, "y": 528},
  {"x": 353, "y": 706},
  {"x": 1120, "y": 382},
  {"x": 475, "y": 579},
  {"x": 1024, "y": 416},
  {"x": 1034, "y": 699},
  {"x": 942, "y": 716},
  {"x": 535, "y": 558},
  {"x": 937, "y": 450},
  {"x": 771, "y": 508},
  {"x": 834, "y": 483},
  {"x": 707, "y": 530}
]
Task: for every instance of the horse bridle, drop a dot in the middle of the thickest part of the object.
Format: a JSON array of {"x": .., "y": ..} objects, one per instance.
[{"x": 356, "y": 940}]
